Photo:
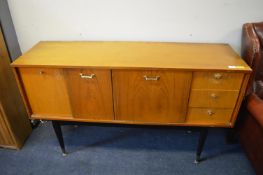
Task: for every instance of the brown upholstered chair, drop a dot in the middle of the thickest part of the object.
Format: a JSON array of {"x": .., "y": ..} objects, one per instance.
[{"x": 251, "y": 126}]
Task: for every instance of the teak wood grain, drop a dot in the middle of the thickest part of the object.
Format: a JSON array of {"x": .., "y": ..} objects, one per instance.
[
  {"x": 15, "y": 126},
  {"x": 240, "y": 99},
  {"x": 180, "y": 81},
  {"x": 46, "y": 91},
  {"x": 163, "y": 100},
  {"x": 190, "y": 56},
  {"x": 200, "y": 115},
  {"x": 90, "y": 98},
  {"x": 6, "y": 137},
  {"x": 226, "y": 81},
  {"x": 213, "y": 98}
]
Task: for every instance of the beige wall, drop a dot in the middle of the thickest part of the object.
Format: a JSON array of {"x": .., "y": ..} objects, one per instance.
[{"x": 134, "y": 20}]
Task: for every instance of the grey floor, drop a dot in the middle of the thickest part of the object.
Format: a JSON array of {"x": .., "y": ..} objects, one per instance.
[{"x": 123, "y": 151}]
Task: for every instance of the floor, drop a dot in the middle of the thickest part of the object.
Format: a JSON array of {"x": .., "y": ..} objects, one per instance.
[{"x": 97, "y": 150}]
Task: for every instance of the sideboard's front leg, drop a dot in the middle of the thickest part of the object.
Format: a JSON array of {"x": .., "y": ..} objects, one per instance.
[
  {"x": 57, "y": 129},
  {"x": 201, "y": 143}
]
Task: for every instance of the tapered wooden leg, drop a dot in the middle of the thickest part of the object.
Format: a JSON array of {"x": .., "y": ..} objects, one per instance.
[
  {"x": 58, "y": 131},
  {"x": 201, "y": 143}
]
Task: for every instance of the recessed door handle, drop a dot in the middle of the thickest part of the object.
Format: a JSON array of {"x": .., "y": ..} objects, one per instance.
[
  {"x": 156, "y": 78},
  {"x": 87, "y": 76}
]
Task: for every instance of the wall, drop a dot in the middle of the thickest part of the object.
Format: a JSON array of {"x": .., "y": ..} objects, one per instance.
[
  {"x": 8, "y": 31},
  {"x": 134, "y": 20}
]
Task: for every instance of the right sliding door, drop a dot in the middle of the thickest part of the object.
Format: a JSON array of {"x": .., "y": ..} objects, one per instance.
[{"x": 151, "y": 96}]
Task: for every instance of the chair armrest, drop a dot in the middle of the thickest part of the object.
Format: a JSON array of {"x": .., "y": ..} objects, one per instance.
[
  {"x": 255, "y": 108},
  {"x": 259, "y": 89},
  {"x": 250, "y": 52},
  {"x": 250, "y": 44},
  {"x": 259, "y": 30}
]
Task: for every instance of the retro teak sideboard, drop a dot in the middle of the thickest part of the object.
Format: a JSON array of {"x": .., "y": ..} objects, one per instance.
[{"x": 149, "y": 83}]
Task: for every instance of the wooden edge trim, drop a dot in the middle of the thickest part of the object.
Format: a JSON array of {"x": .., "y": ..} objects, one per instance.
[
  {"x": 10, "y": 147},
  {"x": 246, "y": 70},
  {"x": 113, "y": 96},
  {"x": 22, "y": 91},
  {"x": 189, "y": 96},
  {"x": 59, "y": 118}
]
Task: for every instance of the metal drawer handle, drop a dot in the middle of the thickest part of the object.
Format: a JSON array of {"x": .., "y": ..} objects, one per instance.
[
  {"x": 214, "y": 96},
  {"x": 218, "y": 76},
  {"x": 87, "y": 76},
  {"x": 210, "y": 112},
  {"x": 156, "y": 78}
]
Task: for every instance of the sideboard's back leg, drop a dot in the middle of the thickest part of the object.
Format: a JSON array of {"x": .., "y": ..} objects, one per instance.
[
  {"x": 57, "y": 129},
  {"x": 201, "y": 143}
]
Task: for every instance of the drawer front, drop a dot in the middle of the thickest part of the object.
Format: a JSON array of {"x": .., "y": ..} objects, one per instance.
[
  {"x": 213, "y": 98},
  {"x": 209, "y": 115},
  {"x": 217, "y": 80},
  {"x": 46, "y": 91},
  {"x": 90, "y": 92},
  {"x": 151, "y": 96}
]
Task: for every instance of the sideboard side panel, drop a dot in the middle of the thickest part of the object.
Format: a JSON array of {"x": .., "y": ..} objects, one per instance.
[{"x": 240, "y": 99}]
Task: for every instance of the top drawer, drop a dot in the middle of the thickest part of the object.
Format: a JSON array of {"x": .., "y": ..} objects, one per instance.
[{"x": 217, "y": 80}]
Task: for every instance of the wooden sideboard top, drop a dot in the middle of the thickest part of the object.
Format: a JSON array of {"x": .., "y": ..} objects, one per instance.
[{"x": 194, "y": 56}]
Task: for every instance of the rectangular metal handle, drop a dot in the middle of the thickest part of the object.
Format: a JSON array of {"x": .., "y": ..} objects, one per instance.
[
  {"x": 156, "y": 78},
  {"x": 87, "y": 76}
]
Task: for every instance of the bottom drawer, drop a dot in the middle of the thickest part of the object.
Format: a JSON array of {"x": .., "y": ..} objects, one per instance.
[{"x": 209, "y": 115}]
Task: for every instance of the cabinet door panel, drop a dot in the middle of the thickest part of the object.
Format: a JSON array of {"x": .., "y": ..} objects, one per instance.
[
  {"x": 163, "y": 97},
  {"x": 90, "y": 93},
  {"x": 46, "y": 91}
]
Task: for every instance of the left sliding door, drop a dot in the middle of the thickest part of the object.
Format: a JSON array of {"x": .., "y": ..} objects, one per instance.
[{"x": 46, "y": 92}]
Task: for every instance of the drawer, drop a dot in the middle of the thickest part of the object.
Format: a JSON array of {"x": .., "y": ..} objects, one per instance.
[
  {"x": 213, "y": 98},
  {"x": 217, "y": 80},
  {"x": 209, "y": 115}
]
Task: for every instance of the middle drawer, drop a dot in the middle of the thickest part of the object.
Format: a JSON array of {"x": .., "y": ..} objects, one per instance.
[{"x": 213, "y": 98}]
